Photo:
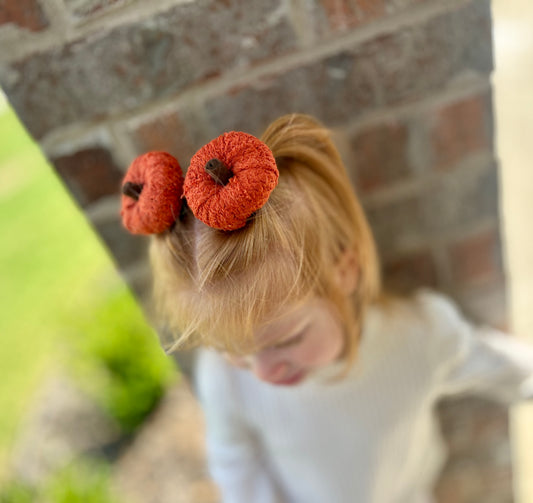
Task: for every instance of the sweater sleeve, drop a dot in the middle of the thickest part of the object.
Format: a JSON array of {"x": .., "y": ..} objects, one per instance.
[
  {"x": 233, "y": 451},
  {"x": 474, "y": 359}
]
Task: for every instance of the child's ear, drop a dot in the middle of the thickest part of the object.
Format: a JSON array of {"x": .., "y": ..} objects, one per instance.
[{"x": 347, "y": 271}]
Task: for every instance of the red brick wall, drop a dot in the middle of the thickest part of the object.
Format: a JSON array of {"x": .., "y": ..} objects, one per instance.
[
  {"x": 405, "y": 84},
  {"x": 25, "y": 14}
]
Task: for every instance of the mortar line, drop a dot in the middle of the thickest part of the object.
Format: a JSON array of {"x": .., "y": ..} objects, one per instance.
[{"x": 411, "y": 16}]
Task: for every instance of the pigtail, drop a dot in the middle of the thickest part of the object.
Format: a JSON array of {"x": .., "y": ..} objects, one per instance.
[{"x": 217, "y": 284}]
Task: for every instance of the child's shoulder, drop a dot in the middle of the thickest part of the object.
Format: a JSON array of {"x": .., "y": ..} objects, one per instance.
[
  {"x": 425, "y": 318},
  {"x": 436, "y": 307},
  {"x": 425, "y": 306}
]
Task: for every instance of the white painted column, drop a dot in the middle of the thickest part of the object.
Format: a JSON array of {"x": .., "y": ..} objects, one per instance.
[{"x": 513, "y": 38}]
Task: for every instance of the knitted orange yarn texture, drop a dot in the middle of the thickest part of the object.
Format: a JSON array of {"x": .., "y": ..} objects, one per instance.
[
  {"x": 159, "y": 203},
  {"x": 255, "y": 174}
]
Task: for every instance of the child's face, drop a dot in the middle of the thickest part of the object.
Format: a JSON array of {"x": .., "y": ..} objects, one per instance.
[{"x": 303, "y": 339}]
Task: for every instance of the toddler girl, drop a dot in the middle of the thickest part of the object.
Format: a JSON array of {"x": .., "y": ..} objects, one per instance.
[{"x": 316, "y": 387}]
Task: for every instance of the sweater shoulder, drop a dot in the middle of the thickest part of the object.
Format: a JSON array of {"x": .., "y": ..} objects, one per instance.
[
  {"x": 425, "y": 309},
  {"x": 427, "y": 320}
]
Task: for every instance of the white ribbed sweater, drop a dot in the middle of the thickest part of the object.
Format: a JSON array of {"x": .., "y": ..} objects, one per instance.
[{"x": 370, "y": 437}]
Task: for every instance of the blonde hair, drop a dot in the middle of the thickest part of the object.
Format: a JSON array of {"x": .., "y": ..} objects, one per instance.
[{"x": 214, "y": 288}]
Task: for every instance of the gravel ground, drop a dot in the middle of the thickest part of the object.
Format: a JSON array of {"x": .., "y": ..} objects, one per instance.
[
  {"x": 166, "y": 461},
  {"x": 163, "y": 463}
]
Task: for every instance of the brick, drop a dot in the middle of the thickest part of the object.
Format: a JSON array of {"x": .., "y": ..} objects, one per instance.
[
  {"x": 467, "y": 480},
  {"x": 479, "y": 463},
  {"x": 330, "y": 89},
  {"x": 406, "y": 272},
  {"x": 138, "y": 276},
  {"x": 277, "y": 95},
  {"x": 26, "y": 14},
  {"x": 421, "y": 58},
  {"x": 85, "y": 8},
  {"x": 330, "y": 18},
  {"x": 485, "y": 302},
  {"x": 381, "y": 155},
  {"x": 460, "y": 129},
  {"x": 175, "y": 132},
  {"x": 451, "y": 204},
  {"x": 126, "y": 248},
  {"x": 476, "y": 258},
  {"x": 89, "y": 173},
  {"x": 129, "y": 251},
  {"x": 397, "y": 226},
  {"x": 334, "y": 16},
  {"x": 469, "y": 422},
  {"x": 455, "y": 203},
  {"x": 389, "y": 69},
  {"x": 157, "y": 57}
]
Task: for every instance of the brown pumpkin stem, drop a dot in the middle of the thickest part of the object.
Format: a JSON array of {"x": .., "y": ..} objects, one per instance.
[
  {"x": 218, "y": 171},
  {"x": 132, "y": 190}
]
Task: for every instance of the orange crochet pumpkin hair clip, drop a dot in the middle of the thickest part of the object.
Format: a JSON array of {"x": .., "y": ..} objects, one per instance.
[{"x": 228, "y": 180}]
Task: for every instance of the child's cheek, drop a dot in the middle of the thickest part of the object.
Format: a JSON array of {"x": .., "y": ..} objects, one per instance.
[
  {"x": 307, "y": 354},
  {"x": 319, "y": 351}
]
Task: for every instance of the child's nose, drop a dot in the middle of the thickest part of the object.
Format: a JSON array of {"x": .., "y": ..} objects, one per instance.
[{"x": 268, "y": 368}]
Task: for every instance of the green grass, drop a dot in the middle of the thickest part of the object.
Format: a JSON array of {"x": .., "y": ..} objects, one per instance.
[
  {"x": 119, "y": 361},
  {"x": 53, "y": 269},
  {"x": 82, "y": 481}
]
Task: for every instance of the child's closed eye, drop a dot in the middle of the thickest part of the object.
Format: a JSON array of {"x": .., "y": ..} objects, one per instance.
[{"x": 291, "y": 341}]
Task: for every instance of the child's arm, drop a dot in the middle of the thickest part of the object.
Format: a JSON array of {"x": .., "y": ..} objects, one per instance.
[
  {"x": 234, "y": 454},
  {"x": 476, "y": 359},
  {"x": 495, "y": 364}
]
